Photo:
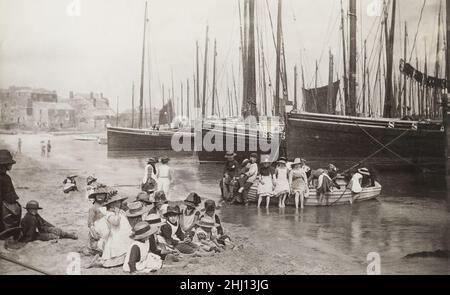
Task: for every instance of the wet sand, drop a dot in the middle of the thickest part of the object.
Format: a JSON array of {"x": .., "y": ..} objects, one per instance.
[{"x": 313, "y": 241}]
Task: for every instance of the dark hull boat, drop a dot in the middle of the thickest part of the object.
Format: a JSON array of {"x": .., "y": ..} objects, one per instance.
[
  {"x": 132, "y": 139},
  {"x": 243, "y": 141},
  {"x": 345, "y": 140}
]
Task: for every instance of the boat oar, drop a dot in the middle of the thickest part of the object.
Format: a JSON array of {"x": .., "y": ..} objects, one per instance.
[{"x": 24, "y": 265}]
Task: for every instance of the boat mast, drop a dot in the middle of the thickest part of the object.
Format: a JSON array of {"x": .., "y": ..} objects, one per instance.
[
  {"x": 278, "y": 63},
  {"x": 204, "y": 75},
  {"x": 437, "y": 66},
  {"x": 264, "y": 80},
  {"x": 197, "y": 85},
  {"x": 330, "y": 85},
  {"x": 187, "y": 99},
  {"x": 295, "y": 87},
  {"x": 352, "y": 81},
  {"x": 132, "y": 106},
  {"x": 364, "y": 79},
  {"x": 214, "y": 80},
  {"x": 388, "y": 101},
  {"x": 141, "y": 97},
  {"x": 244, "y": 53},
  {"x": 405, "y": 48},
  {"x": 181, "y": 100},
  {"x": 344, "y": 57},
  {"x": 251, "y": 63}
]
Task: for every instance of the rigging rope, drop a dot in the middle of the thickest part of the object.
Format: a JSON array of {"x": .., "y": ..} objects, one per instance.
[{"x": 417, "y": 30}]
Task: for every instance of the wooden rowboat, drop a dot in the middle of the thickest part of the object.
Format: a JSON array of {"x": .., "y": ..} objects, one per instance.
[{"x": 336, "y": 197}]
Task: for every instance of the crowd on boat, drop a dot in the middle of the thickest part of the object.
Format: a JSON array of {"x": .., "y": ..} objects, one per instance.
[
  {"x": 140, "y": 234},
  {"x": 252, "y": 181}
]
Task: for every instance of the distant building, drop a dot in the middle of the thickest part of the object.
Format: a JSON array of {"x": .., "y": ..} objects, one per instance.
[
  {"x": 92, "y": 110},
  {"x": 53, "y": 115},
  {"x": 16, "y": 105}
]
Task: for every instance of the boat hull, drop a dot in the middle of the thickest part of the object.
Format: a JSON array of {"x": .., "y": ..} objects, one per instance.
[
  {"x": 334, "y": 198},
  {"x": 346, "y": 140},
  {"x": 130, "y": 139},
  {"x": 242, "y": 141}
]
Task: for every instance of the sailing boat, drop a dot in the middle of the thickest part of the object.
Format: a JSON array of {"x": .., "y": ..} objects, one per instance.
[
  {"x": 324, "y": 137},
  {"x": 125, "y": 139},
  {"x": 243, "y": 137}
]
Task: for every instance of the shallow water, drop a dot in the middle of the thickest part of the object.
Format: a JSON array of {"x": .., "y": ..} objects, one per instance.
[{"x": 411, "y": 215}]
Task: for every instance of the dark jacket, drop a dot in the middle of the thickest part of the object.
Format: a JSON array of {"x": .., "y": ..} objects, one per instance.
[
  {"x": 7, "y": 191},
  {"x": 32, "y": 225},
  {"x": 166, "y": 232},
  {"x": 231, "y": 168}
]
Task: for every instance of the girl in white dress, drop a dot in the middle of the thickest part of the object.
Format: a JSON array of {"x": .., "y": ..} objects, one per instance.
[
  {"x": 164, "y": 176},
  {"x": 282, "y": 188},
  {"x": 266, "y": 182}
]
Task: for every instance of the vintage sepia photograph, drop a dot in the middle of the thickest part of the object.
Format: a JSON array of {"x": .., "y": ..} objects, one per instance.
[{"x": 224, "y": 137}]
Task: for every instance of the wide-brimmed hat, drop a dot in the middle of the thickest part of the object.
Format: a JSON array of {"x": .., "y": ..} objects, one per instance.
[
  {"x": 364, "y": 171},
  {"x": 297, "y": 161},
  {"x": 160, "y": 197},
  {"x": 99, "y": 190},
  {"x": 230, "y": 154},
  {"x": 72, "y": 176},
  {"x": 193, "y": 199},
  {"x": 146, "y": 198},
  {"x": 207, "y": 221},
  {"x": 172, "y": 210},
  {"x": 32, "y": 205},
  {"x": 143, "y": 230},
  {"x": 136, "y": 209},
  {"x": 153, "y": 219},
  {"x": 6, "y": 158},
  {"x": 152, "y": 161},
  {"x": 282, "y": 160},
  {"x": 210, "y": 205},
  {"x": 115, "y": 199},
  {"x": 90, "y": 180}
]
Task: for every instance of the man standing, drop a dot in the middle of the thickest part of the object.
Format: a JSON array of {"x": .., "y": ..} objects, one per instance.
[
  {"x": 231, "y": 171},
  {"x": 251, "y": 174},
  {"x": 10, "y": 210},
  {"x": 49, "y": 148},
  {"x": 19, "y": 145}
]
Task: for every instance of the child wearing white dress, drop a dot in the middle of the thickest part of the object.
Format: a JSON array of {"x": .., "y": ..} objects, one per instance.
[{"x": 282, "y": 188}]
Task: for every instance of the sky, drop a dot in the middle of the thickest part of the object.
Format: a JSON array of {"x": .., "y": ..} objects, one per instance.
[{"x": 96, "y": 45}]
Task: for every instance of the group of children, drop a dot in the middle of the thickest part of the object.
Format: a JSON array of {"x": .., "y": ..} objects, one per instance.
[
  {"x": 282, "y": 180},
  {"x": 142, "y": 234}
]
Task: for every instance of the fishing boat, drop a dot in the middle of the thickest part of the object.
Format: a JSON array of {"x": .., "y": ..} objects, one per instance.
[
  {"x": 341, "y": 196},
  {"x": 415, "y": 140},
  {"x": 141, "y": 138},
  {"x": 243, "y": 138}
]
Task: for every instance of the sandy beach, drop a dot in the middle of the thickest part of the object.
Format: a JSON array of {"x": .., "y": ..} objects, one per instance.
[{"x": 41, "y": 179}]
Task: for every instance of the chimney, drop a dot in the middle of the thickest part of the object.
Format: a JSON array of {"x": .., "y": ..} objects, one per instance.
[{"x": 71, "y": 94}]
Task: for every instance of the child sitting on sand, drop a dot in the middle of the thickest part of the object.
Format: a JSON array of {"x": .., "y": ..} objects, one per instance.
[{"x": 204, "y": 236}]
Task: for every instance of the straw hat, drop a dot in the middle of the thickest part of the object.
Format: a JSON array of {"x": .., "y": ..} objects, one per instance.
[
  {"x": 143, "y": 230},
  {"x": 6, "y": 158},
  {"x": 153, "y": 219},
  {"x": 297, "y": 161},
  {"x": 207, "y": 221},
  {"x": 90, "y": 180},
  {"x": 364, "y": 171},
  {"x": 165, "y": 160},
  {"x": 115, "y": 199},
  {"x": 136, "y": 209},
  {"x": 282, "y": 160},
  {"x": 193, "y": 199},
  {"x": 32, "y": 205},
  {"x": 146, "y": 198},
  {"x": 152, "y": 161},
  {"x": 230, "y": 154},
  {"x": 172, "y": 210}
]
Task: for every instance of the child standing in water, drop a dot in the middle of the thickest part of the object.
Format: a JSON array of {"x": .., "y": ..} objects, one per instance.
[
  {"x": 282, "y": 188},
  {"x": 265, "y": 185}
]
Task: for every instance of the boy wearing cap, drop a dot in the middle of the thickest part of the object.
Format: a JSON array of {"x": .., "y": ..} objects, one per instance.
[
  {"x": 34, "y": 227},
  {"x": 230, "y": 172},
  {"x": 10, "y": 209}
]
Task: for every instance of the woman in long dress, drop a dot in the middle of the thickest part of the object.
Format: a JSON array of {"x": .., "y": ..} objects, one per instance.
[
  {"x": 282, "y": 188},
  {"x": 299, "y": 182}
]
